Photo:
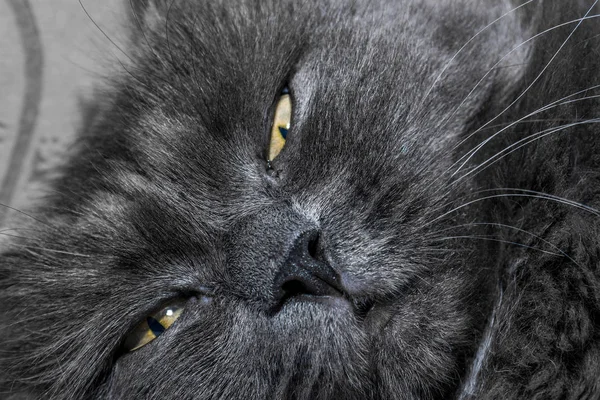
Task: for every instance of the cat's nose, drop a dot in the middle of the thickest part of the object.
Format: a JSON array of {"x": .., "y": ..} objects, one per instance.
[{"x": 303, "y": 273}]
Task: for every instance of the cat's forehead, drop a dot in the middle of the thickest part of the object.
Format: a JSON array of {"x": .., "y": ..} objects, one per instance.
[
  {"x": 356, "y": 63},
  {"x": 359, "y": 75},
  {"x": 257, "y": 44}
]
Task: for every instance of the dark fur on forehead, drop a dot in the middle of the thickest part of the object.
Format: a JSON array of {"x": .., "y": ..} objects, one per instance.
[{"x": 169, "y": 193}]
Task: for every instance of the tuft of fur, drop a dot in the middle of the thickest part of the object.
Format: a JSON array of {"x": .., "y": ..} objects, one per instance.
[{"x": 446, "y": 151}]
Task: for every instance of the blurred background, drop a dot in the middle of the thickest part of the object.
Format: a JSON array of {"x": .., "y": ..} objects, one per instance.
[{"x": 52, "y": 53}]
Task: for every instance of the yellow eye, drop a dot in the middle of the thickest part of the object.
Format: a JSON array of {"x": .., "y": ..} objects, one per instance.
[
  {"x": 153, "y": 326},
  {"x": 281, "y": 124}
]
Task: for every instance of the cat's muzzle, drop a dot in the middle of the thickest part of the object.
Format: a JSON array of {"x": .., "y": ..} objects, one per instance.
[{"x": 306, "y": 276}]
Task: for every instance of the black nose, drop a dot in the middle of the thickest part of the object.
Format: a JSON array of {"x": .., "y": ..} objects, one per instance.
[{"x": 304, "y": 273}]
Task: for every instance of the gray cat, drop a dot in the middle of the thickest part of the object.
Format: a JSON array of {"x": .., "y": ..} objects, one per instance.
[{"x": 323, "y": 199}]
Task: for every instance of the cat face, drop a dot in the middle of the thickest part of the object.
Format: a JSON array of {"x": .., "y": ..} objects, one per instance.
[{"x": 319, "y": 274}]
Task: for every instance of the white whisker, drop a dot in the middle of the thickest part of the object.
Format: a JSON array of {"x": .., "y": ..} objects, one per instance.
[
  {"x": 500, "y": 225},
  {"x": 580, "y": 21},
  {"x": 551, "y": 196},
  {"x": 447, "y": 65},
  {"x": 493, "y": 239},
  {"x": 557, "y": 103},
  {"x": 502, "y": 59},
  {"x": 520, "y": 144},
  {"x": 543, "y": 197}
]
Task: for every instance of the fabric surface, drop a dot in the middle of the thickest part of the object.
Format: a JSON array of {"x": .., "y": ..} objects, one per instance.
[{"x": 52, "y": 52}]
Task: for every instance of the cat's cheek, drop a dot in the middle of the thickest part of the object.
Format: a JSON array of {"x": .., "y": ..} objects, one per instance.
[
  {"x": 419, "y": 352},
  {"x": 192, "y": 343},
  {"x": 233, "y": 349},
  {"x": 423, "y": 338}
]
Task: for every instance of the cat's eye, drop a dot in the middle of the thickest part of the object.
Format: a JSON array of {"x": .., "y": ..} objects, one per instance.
[
  {"x": 154, "y": 325},
  {"x": 281, "y": 124}
]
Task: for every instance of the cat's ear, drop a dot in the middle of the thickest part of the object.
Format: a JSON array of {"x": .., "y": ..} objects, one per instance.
[{"x": 147, "y": 14}]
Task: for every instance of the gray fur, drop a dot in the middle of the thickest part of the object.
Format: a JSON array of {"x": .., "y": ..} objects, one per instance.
[{"x": 169, "y": 195}]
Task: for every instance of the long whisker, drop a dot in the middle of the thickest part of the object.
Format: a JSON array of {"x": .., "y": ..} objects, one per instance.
[
  {"x": 3, "y": 233},
  {"x": 585, "y": 17},
  {"x": 531, "y": 121},
  {"x": 540, "y": 195},
  {"x": 102, "y": 31},
  {"x": 128, "y": 68},
  {"x": 492, "y": 239},
  {"x": 143, "y": 31},
  {"x": 557, "y": 103},
  {"x": 555, "y": 199},
  {"x": 500, "y": 61},
  {"x": 447, "y": 65},
  {"x": 513, "y": 228},
  {"x": 548, "y": 195},
  {"x": 520, "y": 120},
  {"x": 27, "y": 215},
  {"x": 520, "y": 144}
]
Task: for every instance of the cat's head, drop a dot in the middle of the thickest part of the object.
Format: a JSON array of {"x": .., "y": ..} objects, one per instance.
[{"x": 321, "y": 273}]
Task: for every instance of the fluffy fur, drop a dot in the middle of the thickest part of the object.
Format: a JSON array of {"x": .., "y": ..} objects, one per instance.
[{"x": 445, "y": 153}]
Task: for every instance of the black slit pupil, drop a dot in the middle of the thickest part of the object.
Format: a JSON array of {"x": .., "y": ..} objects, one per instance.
[{"x": 155, "y": 326}]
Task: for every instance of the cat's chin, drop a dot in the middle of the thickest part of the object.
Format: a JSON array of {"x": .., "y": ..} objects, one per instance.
[
  {"x": 336, "y": 302},
  {"x": 336, "y": 305},
  {"x": 371, "y": 316}
]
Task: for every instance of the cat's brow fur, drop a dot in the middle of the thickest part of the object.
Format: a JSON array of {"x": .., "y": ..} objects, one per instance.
[{"x": 483, "y": 265}]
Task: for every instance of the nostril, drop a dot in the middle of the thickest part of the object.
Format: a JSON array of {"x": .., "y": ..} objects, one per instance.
[
  {"x": 294, "y": 288},
  {"x": 304, "y": 273},
  {"x": 313, "y": 245}
]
